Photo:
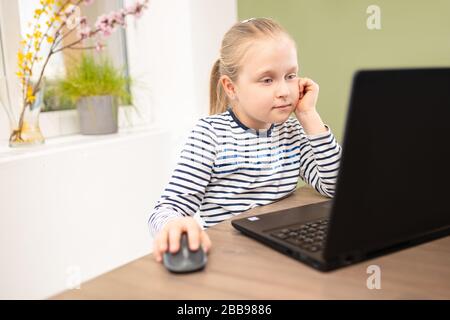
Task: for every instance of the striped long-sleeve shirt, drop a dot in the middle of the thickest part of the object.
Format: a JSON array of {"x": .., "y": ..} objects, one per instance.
[{"x": 226, "y": 168}]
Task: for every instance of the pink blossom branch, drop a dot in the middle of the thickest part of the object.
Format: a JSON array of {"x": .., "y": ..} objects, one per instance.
[
  {"x": 107, "y": 24},
  {"x": 70, "y": 45},
  {"x": 82, "y": 48},
  {"x": 64, "y": 36}
]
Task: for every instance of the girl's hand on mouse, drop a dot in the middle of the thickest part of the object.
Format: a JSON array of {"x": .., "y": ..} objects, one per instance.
[
  {"x": 308, "y": 95},
  {"x": 169, "y": 237}
]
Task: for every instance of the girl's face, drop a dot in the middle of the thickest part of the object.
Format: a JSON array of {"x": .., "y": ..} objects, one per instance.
[{"x": 267, "y": 88}]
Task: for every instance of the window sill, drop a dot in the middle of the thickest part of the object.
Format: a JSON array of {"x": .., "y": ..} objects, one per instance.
[
  {"x": 61, "y": 130},
  {"x": 76, "y": 141},
  {"x": 65, "y": 122}
]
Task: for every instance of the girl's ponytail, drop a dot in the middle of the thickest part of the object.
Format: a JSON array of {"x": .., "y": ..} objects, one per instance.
[{"x": 217, "y": 96}]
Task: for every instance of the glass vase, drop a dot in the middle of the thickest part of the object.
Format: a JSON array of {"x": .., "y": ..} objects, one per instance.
[{"x": 27, "y": 132}]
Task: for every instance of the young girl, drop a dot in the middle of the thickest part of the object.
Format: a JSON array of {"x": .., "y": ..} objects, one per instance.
[{"x": 249, "y": 152}]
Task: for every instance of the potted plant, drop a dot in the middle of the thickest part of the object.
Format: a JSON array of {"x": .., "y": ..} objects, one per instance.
[{"x": 96, "y": 87}]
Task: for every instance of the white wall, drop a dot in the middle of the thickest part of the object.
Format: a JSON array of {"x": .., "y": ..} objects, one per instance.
[
  {"x": 171, "y": 50},
  {"x": 83, "y": 204},
  {"x": 210, "y": 20},
  {"x": 10, "y": 29}
]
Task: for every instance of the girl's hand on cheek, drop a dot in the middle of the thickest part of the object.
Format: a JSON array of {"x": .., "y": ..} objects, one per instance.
[{"x": 309, "y": 93}]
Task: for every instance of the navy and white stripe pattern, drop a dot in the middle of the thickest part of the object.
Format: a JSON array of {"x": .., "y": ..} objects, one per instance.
[{"x": 226, "y": 168}]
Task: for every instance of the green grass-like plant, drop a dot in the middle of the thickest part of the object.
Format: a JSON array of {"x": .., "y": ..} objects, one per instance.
[{"x": 95, "y": 78}]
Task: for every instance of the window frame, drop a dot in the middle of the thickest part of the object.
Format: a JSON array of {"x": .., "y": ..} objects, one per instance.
[{"x": 58, "y": 122}]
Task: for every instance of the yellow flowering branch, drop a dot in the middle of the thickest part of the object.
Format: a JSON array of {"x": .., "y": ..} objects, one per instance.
[{"x": 27, "y": 60}]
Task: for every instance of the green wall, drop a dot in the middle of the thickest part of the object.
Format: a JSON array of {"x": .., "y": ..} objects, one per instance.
[{"x": 333, "y": 41}]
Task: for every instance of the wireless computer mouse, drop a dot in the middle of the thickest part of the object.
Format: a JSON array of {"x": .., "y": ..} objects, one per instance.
[{"x": 185, "y": 260}]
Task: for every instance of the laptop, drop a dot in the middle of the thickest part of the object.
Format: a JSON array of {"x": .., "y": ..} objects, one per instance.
[{"x": 394, "y": 179}]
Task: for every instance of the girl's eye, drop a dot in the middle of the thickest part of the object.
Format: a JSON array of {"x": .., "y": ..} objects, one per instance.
[{"x": 268, "y": 80}]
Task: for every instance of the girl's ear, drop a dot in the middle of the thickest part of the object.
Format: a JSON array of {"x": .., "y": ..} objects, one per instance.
[{"x": 228, "y": 87}]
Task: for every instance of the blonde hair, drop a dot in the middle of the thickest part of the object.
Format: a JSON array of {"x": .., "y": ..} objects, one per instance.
[{"x": 235, "y": 44}]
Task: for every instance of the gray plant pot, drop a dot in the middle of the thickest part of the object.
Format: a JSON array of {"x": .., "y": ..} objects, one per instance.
[{"x": 98, "y": 115}]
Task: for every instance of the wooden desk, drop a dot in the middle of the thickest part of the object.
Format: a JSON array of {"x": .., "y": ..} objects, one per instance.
[{"x": 242, "y": 268}]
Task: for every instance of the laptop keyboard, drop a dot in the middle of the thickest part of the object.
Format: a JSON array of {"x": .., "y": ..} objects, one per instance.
[{"x": 309, "y": 236}]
